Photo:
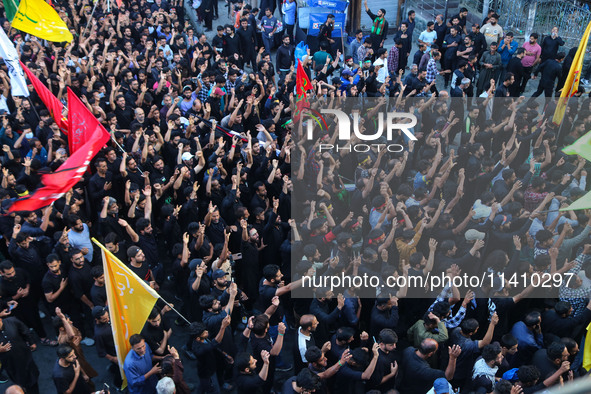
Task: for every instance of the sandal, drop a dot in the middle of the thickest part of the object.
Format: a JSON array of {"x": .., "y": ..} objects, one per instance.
[{"x": 49, "y": 342}]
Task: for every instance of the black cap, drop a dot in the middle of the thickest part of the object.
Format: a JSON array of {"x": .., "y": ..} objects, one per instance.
[{"x": 98, "y": 311}]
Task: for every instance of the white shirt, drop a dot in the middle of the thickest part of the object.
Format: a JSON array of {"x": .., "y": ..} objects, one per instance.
[
  {"x": 383, "y": 72},
  {"x": 302, "y": 344},
  {"x": 428, "y": 37}
]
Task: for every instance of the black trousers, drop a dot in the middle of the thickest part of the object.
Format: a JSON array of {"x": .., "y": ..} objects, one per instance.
[
  {"x": 548, "y": 90},
  {"x": 526, "y": 77}
]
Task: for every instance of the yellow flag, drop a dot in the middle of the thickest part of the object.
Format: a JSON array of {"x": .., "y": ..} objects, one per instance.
[
  {"x": 581, "y": 147},
  {"x": 130, "y": 301},
  {"x": 571, "y": 85},
  {"x": 38, "y": 18},
  {"x": 587, "y": 349}
]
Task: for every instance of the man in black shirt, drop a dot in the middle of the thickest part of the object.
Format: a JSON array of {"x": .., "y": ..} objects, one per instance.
[
  {"x": 15, "y": 285},
  {"x": 247, "y": 381},
  {"x": 156, "y": 333},
  {"x": 351, "y": 378},
  {"x": 387, "y": 366},
  {"x": 232, "y": 48},
  {"x": 137, "y": 263},
  {"x": 55, "y": 286},
  {"x": 123, "y": 112},
  {"x": 215, "y": 225},
  {"x": 105, "y": 345},
  {"x": 247, "y": 272},
  {"x": 100, "y": 184},
  {"x": 25, "y": 255},
  {"x": 218, "y": 41},
  {"x": 131, "y": 171},
  {"x": 418, "y": 376},
  {"x": 205, "y": 351},
  {"x": 98, "y": 293},
  {"x": 305, "y": 381},
  {"x": 550, "y": 45},
  {"x": 147, "y": 241},
  {"x": 551, "y": 70},
  {"x": 67, "y": 375},
  {"x": 384, "y": 315},
  {"x": 261, "y": 340},
  {"x": 284, "y": 59},
  {"x": 550, "y": 360},
  {"x": 114, "y": 245},
  {"x": 81, "y": 281},
  {"x": 478, "y": 40},
  {"x": 248, "y": 43},
  {"x": 325, "y": 32},
  {"x": 269, "y": 288}
]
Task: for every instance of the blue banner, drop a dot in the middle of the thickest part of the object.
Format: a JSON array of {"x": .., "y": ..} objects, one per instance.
[
  {"x": 337, "y": 5},
  {"x": 318, "y": 19}
]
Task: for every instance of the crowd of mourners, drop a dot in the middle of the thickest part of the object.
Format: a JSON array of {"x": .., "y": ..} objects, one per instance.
[{"x": 205, "y": 216}]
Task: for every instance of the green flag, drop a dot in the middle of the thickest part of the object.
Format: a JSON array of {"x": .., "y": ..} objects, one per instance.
[
  {"x": 582, "y": 203},
  {"x": 581, "y": 147},
  {"x": 10, "y": 6}
]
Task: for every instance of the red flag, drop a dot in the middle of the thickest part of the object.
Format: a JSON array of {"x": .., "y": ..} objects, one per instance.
[
  {"x": 302, "y": 81},
  {"x": 80, "y": 128},
  {"x": 54, "y": 106},
  {"x": 302, "y": 86},
  {"x": 69, "y": 173}
]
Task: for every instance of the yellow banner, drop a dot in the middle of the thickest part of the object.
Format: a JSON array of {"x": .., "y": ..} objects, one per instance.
[
  {"x": 130, "y": 301},
  {"x": 571, "y": 85},
  {"x": 38, "y": 18}
]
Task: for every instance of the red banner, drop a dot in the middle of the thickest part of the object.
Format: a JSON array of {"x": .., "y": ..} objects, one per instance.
[
  {"x": 302, "y": 81},
  {"x": 81, "y": 128},
  {"x": 54, "y": 106},
  {"x": 69, "y": 173}
]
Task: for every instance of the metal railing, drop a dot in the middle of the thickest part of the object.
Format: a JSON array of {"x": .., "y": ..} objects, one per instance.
[
  {"x": 570, "y": 17},
  {"x": 428, "y": 9},
  {"x": 571, "y": 20}
]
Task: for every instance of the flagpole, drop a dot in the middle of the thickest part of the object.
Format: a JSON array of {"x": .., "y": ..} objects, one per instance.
[
  {"x": 565, "y": 107},
  {"x": 90, "y": 17},
  {"x": 342, "y": 42},
  {"x": 177, "y": 312},
  {"x": 32, "y": 106},
  {"x": 123, "y": 150}
]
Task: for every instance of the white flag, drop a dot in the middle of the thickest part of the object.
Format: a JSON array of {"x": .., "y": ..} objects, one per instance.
[{"x": 15, "y": 71}]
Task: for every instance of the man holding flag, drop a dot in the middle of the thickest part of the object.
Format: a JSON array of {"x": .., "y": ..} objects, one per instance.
[
  {"x": 571, "y": 85},
  {"x": 124, "y": 289},
  {"x": 142, "y": 377}
]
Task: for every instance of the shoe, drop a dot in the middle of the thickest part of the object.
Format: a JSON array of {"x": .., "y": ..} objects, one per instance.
[
  {"x": 284, "y": 368},
  {"x": 87, "y": 342},
  {"x": 207, "y": 30}
]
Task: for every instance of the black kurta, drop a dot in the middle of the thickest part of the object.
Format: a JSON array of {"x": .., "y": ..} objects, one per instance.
[{"x": 18, "y": 361}]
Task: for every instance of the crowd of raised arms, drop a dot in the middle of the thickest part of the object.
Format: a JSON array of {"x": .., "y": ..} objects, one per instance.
[{"x": 205, "y": 217}]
